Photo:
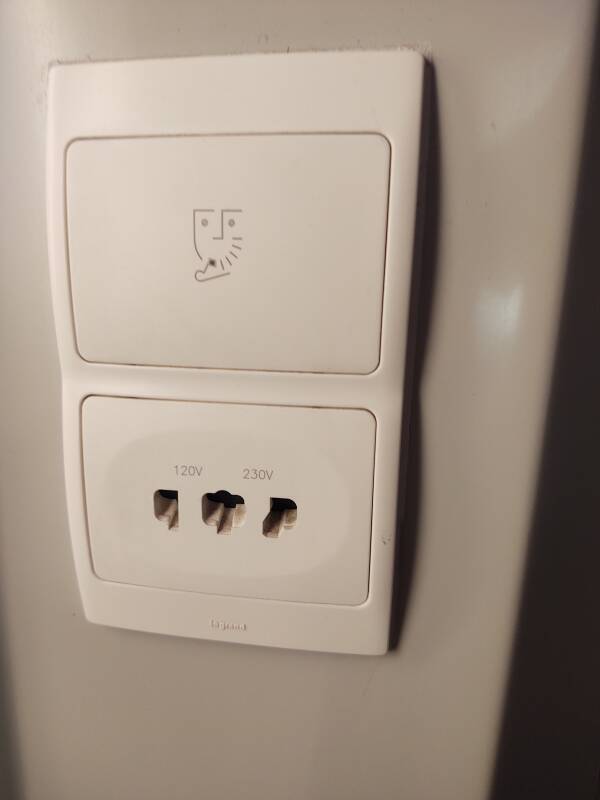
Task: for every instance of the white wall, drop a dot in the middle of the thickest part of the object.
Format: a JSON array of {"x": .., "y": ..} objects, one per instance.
[{"x": 99, "y": 713}]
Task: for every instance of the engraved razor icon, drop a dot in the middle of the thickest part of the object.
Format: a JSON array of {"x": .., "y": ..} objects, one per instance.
[{"x": 217, "y": 241}]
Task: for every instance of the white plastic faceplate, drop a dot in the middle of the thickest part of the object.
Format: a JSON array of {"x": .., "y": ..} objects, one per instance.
[{"x": 375, "y": 94}]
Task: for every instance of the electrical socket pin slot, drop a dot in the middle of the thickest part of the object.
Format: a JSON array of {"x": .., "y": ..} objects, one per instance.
[
  {"x": 282, "y": 516},
  {"x": 166, "y": 507},
  {"x": 223, "y": 510}
]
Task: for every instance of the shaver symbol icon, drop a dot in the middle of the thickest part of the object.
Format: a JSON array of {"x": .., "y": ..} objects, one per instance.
[{"x": 217, "y": 241}]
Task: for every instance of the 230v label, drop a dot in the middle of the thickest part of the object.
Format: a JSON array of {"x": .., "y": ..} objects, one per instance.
[{"x": 254, "y": 474}]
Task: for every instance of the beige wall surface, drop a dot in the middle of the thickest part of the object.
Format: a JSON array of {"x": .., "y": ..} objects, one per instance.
[{"x": 95, "y": 713}]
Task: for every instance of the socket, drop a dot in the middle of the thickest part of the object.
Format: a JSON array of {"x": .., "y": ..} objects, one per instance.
[
  {"x": 296, "y": 514},
  {"x": 166, "y": 507},
  {"x": 223, "y": 510},
  {"x": 282, "y": 515}
]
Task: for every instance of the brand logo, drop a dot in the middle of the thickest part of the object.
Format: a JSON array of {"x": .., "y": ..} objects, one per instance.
[
  {"x": 218, "y": 241},
  {"x": 223, "y": 625}
]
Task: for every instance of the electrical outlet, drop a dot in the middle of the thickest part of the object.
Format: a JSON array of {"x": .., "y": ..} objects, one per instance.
[
  {"x": 231, "y": 283},
  {"x": 263, "y": 502}
]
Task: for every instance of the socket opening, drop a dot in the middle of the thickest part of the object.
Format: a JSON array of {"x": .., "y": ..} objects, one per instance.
[
  {"x": 223, "y": 510},
  {"x": 166, "y": 507},
  {"x": 282, "y": 516}
]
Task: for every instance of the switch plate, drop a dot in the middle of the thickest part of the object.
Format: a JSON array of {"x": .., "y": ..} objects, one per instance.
[
  {"x": 233, "y": 252},
  {"x": 375, "y": 97}
]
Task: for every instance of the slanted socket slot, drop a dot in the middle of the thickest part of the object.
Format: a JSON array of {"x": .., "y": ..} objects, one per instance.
[
  {"x": 283, "y": 515},
  {"x": 223, "y": 510},
  {"x": 166, "y": 507}
]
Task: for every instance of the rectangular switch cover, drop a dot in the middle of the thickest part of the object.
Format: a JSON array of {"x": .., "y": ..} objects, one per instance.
[
  {"x": 231, "y": 243},
  {"x": 276, "y": 242}
]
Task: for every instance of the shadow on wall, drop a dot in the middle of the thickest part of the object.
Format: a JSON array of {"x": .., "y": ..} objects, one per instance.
[
  {"x": 422, "y": 294},
  {"x": 9, "y": 779},
  {"x": 550, "y": 739}
]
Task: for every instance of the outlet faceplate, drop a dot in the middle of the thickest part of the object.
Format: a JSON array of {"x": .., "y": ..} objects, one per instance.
[
  {"x": 321, "y": 459},
  {"x": 300, "y": 349}
]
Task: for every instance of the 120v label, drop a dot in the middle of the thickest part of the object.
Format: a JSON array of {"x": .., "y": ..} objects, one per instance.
[
  {"x": 188, "y": 470},
  {"x": 255, "y": 474}
]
